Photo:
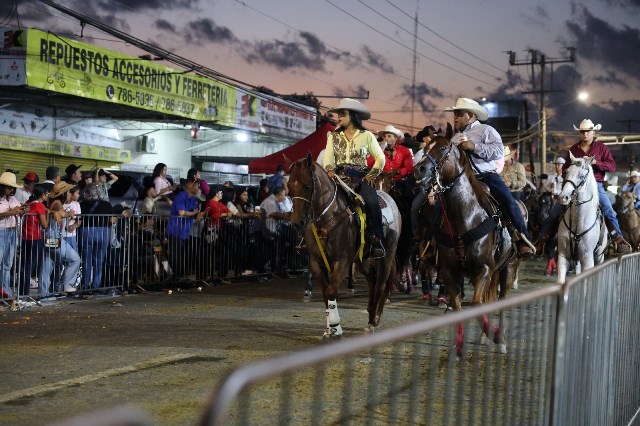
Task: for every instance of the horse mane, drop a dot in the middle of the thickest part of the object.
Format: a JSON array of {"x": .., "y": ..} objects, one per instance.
[{"x": 481, "y": 193}]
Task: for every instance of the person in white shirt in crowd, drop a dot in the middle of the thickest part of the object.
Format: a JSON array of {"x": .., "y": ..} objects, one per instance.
[
  {"x": 10, "y": 208},
  {"x": 23, "y": 194},
  {"x": 70, "y": 232},
  {"x": 52, "y": 175},
  {"x": 273, "y": 218},
  {"x": 556, "y": 181}
]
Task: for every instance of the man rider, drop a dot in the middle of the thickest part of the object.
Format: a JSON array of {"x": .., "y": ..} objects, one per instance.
[{"x": 484, "y": 145}]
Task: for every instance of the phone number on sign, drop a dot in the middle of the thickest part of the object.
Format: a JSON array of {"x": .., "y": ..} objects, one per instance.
[{"x": 144, "y": 99}]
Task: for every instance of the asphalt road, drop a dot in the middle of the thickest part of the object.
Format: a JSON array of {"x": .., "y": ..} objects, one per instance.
[{"x": 163, "y": 352}]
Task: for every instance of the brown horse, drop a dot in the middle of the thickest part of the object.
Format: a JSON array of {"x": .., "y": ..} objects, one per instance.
[
  {"x": 629, "y": 219},
  {"x": 320, "y": 203},
  {"x": 472, "y": 241}
]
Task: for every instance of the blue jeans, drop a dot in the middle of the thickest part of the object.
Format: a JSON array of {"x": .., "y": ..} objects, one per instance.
[
  {"x": 552, "y": 221},
  {"x": 7, "y": 257},
  {"x": 508, "y": 205},
  {"x": 607, "y": 208},
  {"x": 69, "y": 257},
  {"x": 32, "y": 254},
  {"x": 94, "y": 242}
]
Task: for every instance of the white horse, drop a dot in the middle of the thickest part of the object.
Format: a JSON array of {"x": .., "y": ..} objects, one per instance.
[{"x": 582, "y": 234}]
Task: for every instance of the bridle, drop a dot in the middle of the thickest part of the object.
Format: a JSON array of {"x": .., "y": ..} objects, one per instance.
[
  {"x": 436, "y": 179},
  {"x": 576, "y": 187},
  {"x": 307, "y": 201}
]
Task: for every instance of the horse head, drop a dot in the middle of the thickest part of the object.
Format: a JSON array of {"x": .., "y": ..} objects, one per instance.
[
  {"x": 300, "y": 184},
  {"x": 627, "y": 202},
  {"x": 543, "y": 206},
  {"x": 434, "y": 166},
  {"x": 576, "y": 176}
]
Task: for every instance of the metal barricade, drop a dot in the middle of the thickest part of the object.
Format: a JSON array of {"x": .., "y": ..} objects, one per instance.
[{"x": 571, "y": 360}]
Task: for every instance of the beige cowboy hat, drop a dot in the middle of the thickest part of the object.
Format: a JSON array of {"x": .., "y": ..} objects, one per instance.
[
  {"x": 507, "y": 153},
  {"x": 634, "y": 173},
  {"x": 353, "y": 105},
  {"x": 587, "y": 125},
  {"x": 9, "y": 179},
  {"x": 61, "y": 188},
  {"x": 390, "y": 129},
  {"x": 466, "y": 104},
  {"x": 559, "y": 160}
]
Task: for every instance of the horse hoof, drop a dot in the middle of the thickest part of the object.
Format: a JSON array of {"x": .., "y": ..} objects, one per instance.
[
  {"x": 353, "y": 291},
  {"x": 484, "y": 340},
  {"x": 501, "y": 348},
  {"x": 307, "y": 298},
  {"x": 369, "y": 329},
  {"x": 426, "y": 296}
]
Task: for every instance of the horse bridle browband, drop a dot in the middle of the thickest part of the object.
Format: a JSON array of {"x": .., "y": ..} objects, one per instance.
[
  {"x": 437, "y": 185},
  {"x": 583, "y": 179}
]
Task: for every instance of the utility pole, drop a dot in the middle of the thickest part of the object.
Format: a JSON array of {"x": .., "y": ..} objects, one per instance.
[
  {"x": 542, "y": 60},
  {"x": 415, "y": 63}
]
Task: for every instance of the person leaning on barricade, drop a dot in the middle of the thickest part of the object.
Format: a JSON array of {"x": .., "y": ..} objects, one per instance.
[
  {"x": 184, "y": 211},
  {"x": 10, "y": 208},
  {"x": 33, "y": 225},
  {"x": 275, "y": 214},
  {"x": 250, "y": 232},
  {"x": 55, "y": 247},
  {"x": 95, "y": 235}
]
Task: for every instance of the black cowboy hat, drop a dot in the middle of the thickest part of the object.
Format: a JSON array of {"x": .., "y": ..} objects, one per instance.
[
  {"x": 426, "y": 131},
  {"x": 71, "y": 169}
]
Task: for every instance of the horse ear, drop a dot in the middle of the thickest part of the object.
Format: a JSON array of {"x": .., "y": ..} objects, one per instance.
[
  {"x": 309, "y": 159},
  {"x": 286, "y": 160},
  {"x": 572, "y": 157},
  {"x": 449, "y": 133}
]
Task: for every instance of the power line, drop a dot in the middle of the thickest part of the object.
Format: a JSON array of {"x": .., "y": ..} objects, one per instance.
[
  {"x": 425, "y": 41},
  {"x": 448, "y": 41},
  {"x": 408, "y": 48}
]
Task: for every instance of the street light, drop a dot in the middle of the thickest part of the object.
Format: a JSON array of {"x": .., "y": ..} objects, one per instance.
[{"x": 583, "y": 96}]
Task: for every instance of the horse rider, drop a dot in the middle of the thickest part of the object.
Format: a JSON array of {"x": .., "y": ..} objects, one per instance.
[
  {"x": 513, "y": 175},
  {"x": 425, "y": 138},
  {"x": 633, "y": 186},
  {"x": 346, "y": 154},
  {"x": 556, "y": 181},
  {"x": 398, "y": 159},
  {"x": 603, "y": 162},
  {"x": 484, "y": 146}
]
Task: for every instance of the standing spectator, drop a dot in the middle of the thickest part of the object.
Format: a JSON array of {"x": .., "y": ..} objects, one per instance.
[
  {"x": 30, "y": 180},
  {"x": 149, "y": 204},
  {"x": 250, "y": 254},
  {"x": 203, "y": 186},
  {"x": 184, "y": 211},
  {"x": 273, "y": 217},
  {"x": 217, "y": 210},
  {"x": 104, "y": 181},
  {"x": 73, "y": 174},
  {"x": 64, "y": 251},
  {"x": 52, "y": 175},
  {"x": 164, "y": 188},
  {"x": 94, "y": 236},
  {"x": 85, "y": 179},
  {"x": 70, "y": 232},
  {"x": 513, "y": 175},
  {"x": 263, "y": 192},
  {"x": 32, "y": 248},
  {"x": 633, "y": 186},
  {"x": 277, "y": 179},
  {"x": 9, "y": 209}
]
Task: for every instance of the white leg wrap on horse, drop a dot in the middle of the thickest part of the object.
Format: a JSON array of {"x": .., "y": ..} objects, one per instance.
[{"x": 333, "y": 319}]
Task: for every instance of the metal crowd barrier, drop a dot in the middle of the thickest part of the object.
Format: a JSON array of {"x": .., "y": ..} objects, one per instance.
[
  {"x": 571, "y": 360},
  {"x": 110, "y": 254}
]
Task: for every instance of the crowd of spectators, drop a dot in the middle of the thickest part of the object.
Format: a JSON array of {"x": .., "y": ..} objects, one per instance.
[{"x": 63, "y": 235}]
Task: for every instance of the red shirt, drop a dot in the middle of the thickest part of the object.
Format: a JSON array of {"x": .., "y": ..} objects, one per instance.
[
  {"x": 216, "y": 210},
  {"x": 400, "y": 159},
  {"x": 31, "y": 229},
  {"x": 604, "y": 159}
]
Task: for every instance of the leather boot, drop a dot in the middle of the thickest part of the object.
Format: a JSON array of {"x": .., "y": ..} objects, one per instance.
[
  {"x": 622, "y": 247},
  {"x": 377, "y": 249}
]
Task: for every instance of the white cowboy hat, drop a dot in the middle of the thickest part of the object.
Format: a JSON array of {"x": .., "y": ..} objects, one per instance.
[
  {"x": 634, "y": 173},
  {"x": 587, "y": 124},
  {"x": 9, "y": 179},
  {"x": 390, "y": 129},
  {"x": 559, "y": 160},
  {"x": 507, "y": 152},
  {"x": 353, "y": 105},
  {"x": 467, "y": 104}
]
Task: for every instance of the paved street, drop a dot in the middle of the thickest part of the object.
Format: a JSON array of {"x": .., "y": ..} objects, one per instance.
[{"x": 165, "y": 352}]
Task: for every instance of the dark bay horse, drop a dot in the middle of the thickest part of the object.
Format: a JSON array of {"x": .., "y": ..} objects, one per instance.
[
  {"x": 472, "y": 242},
  {"x": 629, "y": 219},
  {"x": 318, "y": 202}
]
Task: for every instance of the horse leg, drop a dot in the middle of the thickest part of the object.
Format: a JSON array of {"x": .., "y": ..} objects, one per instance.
[
  {"x": 330, "y": 293},
  {"x": 308, "y": 287},
  {"x": 562, "y": 267},
  {"x": 380, "y": 285},
  {"x": 351, "y": 279},
  {"x": 587, "y": 261}
]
